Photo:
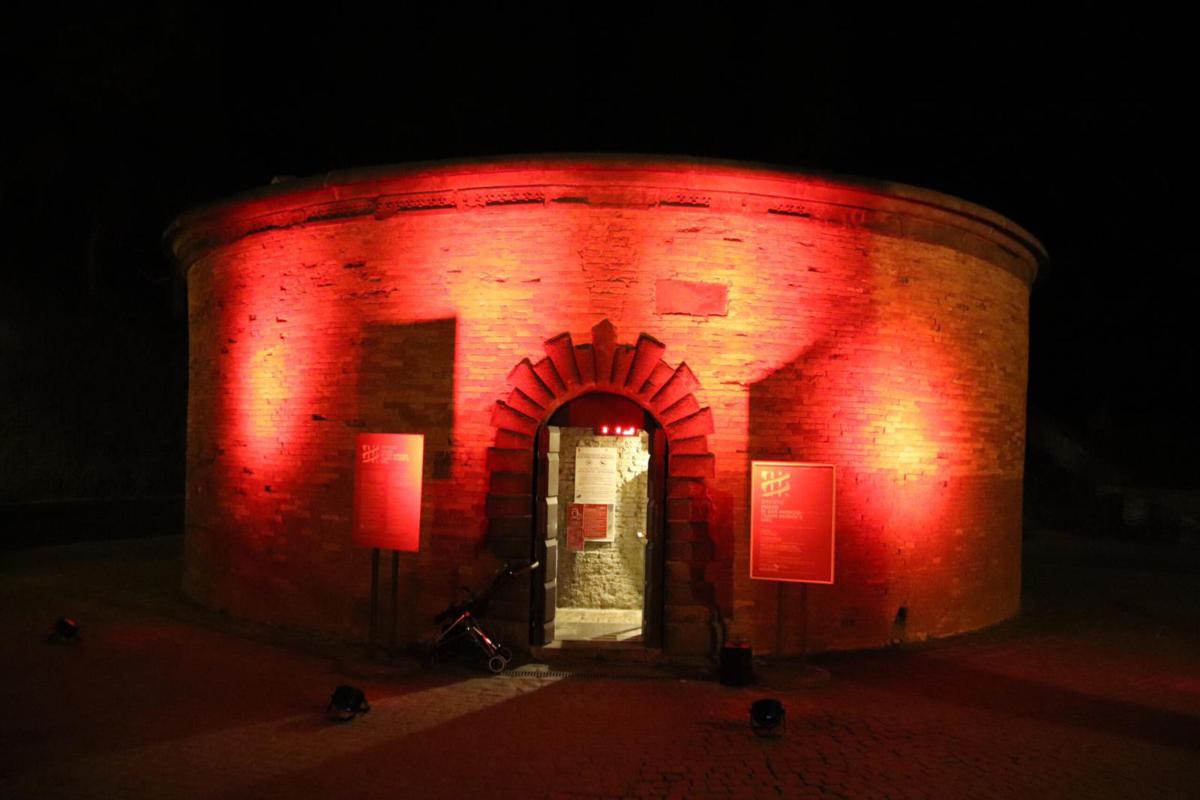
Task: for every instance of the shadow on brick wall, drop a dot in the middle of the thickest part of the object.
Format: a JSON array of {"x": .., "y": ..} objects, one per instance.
[
  {"x": 796, "y": 411},
  {"x": 406, "y": 385}
]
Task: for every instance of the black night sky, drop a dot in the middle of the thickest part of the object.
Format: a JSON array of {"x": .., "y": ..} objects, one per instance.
[{"x": 1079, "y": 129}]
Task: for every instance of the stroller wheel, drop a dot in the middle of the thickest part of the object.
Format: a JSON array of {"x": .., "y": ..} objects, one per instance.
[
  {"x": 506, "y": 654},
  {"x": 497, "y": 663}
]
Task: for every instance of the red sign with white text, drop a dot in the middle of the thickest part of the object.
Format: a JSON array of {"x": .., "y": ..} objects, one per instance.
[
  {"x": 586, "y": 521},
  {"x": 595, "y": 521},
  {"x": 387, "y": 491},
  {"x": 575, "y": 527},
  {"x": 791, "y": 521}
]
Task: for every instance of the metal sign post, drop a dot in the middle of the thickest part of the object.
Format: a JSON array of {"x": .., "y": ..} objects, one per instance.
[
  {"x": 372, "y": 637},
  {"x": 803, "y": 623},
  {"x": 779, "y": 627},
  {"x": 395, "y": 598}
]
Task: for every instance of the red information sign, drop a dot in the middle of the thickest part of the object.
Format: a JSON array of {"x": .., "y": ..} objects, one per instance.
[
  {"x": 387, "y": 491},
  {"x": 586, "y": 521},
  {"x": 575, "y": 527},
  {"x": 595, "y": 521},
  {"x": 791, "y": 521}
]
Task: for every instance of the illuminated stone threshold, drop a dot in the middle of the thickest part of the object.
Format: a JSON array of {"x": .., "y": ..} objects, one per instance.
[{"x": 597, "y": 626}]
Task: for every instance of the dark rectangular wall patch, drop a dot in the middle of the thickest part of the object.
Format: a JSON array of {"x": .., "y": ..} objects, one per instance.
[{"x": 691, "y": 297}]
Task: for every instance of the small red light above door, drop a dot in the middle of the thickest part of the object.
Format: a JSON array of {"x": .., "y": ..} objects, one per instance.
[{"x": 616, "y": 430}]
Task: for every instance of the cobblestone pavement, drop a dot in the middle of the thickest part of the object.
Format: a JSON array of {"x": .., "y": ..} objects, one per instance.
[{"x": 1094, "y": 692}]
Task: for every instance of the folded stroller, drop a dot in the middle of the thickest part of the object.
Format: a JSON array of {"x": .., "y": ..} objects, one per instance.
[{"x": 459, "y": 623}]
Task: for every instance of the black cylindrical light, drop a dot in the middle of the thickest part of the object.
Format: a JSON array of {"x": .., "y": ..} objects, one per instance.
[{"x": 767, "y": 716}]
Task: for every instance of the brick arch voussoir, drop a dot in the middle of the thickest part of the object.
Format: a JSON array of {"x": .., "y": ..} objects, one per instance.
[{"x": 638, "y": 372}]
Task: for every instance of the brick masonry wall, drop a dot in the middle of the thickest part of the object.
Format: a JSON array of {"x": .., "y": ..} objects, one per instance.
[
  {"x": 605, "y": 574},
  {"x": 842, "y": 326}
]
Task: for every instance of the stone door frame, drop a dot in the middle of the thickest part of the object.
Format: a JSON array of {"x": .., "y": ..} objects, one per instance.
[{"x": 638, "y": 373}]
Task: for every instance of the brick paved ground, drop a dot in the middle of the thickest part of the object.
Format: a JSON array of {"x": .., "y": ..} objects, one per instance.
[{"x": 1094, "y": 692}]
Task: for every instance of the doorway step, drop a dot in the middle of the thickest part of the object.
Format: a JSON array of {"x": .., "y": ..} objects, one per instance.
[
  {"x": 614, "y": 660},
  {"x": 598, "y": 625}
]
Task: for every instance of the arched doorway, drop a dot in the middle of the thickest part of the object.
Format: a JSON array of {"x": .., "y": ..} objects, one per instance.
[
  {"x": 600, "y": 540},
  {"x": 521, "y": 522}
]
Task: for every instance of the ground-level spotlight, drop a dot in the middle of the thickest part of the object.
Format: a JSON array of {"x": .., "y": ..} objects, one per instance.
[
  {"x": 347, "y": 702},
  {"x": 64, "y": 629},
  {"x": 767, "y": 717}
]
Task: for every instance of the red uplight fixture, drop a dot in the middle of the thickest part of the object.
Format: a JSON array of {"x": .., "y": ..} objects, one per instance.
[{"x": 616, "y": 430}]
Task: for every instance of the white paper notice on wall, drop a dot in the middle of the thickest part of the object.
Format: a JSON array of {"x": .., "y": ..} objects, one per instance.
[{"x": 596, "y": 475}]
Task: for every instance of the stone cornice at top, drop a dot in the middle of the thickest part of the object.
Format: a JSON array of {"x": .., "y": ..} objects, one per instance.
[{"x": 598, "y": 180}]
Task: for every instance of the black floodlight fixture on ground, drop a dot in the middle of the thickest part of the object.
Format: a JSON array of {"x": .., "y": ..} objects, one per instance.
[
  {"x": 64, "y": 629},
  {"x": 767, "y": 716},
  {"x": 347, "y": 702}
]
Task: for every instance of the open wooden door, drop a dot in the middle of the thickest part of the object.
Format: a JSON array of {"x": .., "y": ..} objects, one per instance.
[
  {"x": 544, "y": 581},
  {"x": 656, "y": 539}
]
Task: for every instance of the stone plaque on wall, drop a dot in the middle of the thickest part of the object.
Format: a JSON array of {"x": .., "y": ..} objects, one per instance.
[{"x": 596, "y": 475}]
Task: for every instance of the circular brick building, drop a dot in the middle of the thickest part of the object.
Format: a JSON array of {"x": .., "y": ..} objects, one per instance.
[{"x": 658, "y": 323}]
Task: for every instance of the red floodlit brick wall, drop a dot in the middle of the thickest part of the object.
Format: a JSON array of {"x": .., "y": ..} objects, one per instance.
[{"x": 883, "y": 329}]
